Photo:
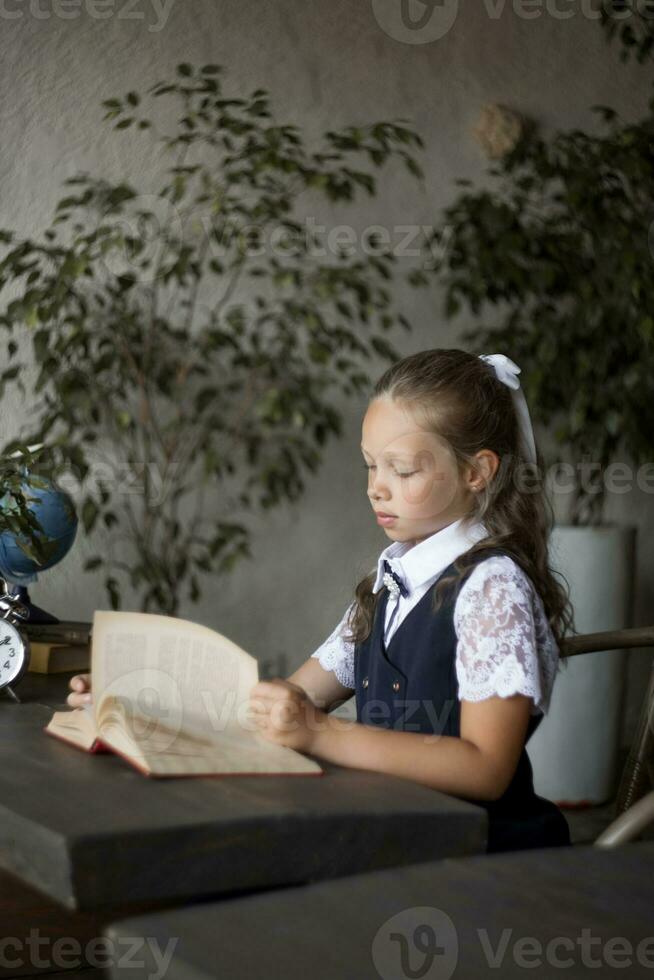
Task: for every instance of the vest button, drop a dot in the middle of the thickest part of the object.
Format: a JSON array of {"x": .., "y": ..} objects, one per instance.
[
  {"x": 364, "y": 683},
  {"x": 396, "y": 685}
]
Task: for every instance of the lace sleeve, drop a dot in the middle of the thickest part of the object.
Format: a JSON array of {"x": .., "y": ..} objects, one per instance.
[
  {"x": 505, "y": 645},
  {"x": 337, "y": 654}
]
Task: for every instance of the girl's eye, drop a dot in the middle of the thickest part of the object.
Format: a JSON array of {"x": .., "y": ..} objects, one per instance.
[{"x": 402, "y": 475}]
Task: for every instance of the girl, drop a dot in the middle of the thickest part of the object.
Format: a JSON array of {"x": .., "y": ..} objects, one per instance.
[{"x": 450, "y": 645}]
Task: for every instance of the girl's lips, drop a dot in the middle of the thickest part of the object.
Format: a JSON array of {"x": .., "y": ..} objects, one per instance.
[{"x": 385, "y": 519}]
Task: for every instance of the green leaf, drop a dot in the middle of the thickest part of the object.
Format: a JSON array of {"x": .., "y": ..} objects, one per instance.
[
  {"x": 111, "y": 585},
  {"x": 32, "y": 316},
  {"x": 413, "y": 167},
  {"x": 89, "y": 514},
  {"x": 452, "y": 306}
]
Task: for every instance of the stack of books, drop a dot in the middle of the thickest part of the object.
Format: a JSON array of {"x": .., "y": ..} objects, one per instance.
[{"x": 56, "y": 648}]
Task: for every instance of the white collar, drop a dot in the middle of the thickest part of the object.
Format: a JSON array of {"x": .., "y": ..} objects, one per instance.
[{"x": 418, "y": 563}]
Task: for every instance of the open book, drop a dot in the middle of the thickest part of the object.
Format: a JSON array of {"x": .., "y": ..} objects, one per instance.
[{"x": 171, "y": 697}]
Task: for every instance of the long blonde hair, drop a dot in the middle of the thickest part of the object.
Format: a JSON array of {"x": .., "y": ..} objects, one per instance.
[{"x": 457, "y": 396}]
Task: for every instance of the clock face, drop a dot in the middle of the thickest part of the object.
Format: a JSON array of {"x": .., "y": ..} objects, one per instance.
[{"x": 12, "y": 653}]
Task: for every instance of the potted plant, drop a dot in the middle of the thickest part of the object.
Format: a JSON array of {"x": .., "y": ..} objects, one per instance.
[
  {"x": 193, "y": 345},
  {"x": 554, "y": 260}
]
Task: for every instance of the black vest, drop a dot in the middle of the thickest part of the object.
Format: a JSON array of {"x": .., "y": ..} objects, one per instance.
[{"x": 412, "y": 686}]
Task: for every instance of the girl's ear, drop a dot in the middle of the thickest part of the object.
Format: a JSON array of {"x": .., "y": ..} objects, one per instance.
[{"x": 482, "y": 473}]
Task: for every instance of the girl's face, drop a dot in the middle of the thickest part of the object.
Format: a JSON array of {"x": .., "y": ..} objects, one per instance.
[{"x": 412, "y": 474}]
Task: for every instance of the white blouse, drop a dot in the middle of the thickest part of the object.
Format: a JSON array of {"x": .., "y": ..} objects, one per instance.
[{"x": 504, "y": 645}]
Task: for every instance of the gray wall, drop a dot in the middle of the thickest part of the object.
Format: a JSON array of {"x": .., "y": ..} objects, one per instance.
[{"x": 326, "y": 64}]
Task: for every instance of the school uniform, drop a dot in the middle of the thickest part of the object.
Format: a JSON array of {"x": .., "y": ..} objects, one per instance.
[{"x": 489, "y": 637}]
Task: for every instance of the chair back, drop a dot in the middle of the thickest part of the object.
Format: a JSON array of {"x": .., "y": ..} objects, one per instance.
[{"x": 637, "y": 777}]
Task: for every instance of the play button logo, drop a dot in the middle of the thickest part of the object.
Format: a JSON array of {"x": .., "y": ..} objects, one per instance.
[{"x": 415, "y": 21}]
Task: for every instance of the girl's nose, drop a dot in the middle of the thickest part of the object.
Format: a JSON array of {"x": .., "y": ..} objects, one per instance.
[{"x": 377, "y": 487}]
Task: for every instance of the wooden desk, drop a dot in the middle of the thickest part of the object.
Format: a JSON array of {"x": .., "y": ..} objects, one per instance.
[
  {"x": 466, "y": 909},
  {"x": 101, "y": 840}
]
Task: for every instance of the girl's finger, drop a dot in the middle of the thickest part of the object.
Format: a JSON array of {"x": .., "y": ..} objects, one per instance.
[
  {"x": 269, "y": 689},
  {"x": 78, "y": 700},
  {"x": 261, "y": 704},
  {"x": 80, "y": 682}
]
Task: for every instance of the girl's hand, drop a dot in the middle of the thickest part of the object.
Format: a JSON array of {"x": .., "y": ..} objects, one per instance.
[
  {"x": 284, "y": 713},
  {"x": 81, "y": 691}
]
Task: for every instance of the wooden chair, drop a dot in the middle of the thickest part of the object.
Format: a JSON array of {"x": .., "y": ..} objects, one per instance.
[{"x": 634, "y": 808}]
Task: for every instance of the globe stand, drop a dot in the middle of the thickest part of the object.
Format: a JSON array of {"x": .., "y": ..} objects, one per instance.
[{"x": 34, "y": 613}]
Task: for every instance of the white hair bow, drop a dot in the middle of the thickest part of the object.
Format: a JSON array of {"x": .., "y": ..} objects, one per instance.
[{"x": 507, "y": 372}]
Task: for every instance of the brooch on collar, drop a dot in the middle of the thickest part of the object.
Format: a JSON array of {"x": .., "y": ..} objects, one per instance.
[{"x": 393, "y": 582}]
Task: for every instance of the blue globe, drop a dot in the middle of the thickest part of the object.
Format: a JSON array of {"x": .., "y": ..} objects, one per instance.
[{"x": 55, "y": 512}]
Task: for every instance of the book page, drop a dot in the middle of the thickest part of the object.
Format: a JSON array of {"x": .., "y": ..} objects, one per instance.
[
  {"x": 171, "y": 674},
  {"x": 162, "y": 753},
  {"x": 173, "y": 697},
  {"x": 77, "y": 726}
]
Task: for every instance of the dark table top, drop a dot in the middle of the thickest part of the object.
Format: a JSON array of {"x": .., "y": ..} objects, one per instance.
[
  {"x": 48, "y": 689},
  {"x": 90, "y": 831},
  {"x": 573, "y": 912}
]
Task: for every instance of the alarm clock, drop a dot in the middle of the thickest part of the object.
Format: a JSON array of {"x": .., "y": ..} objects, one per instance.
[{"x": 14, "y": 645}]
